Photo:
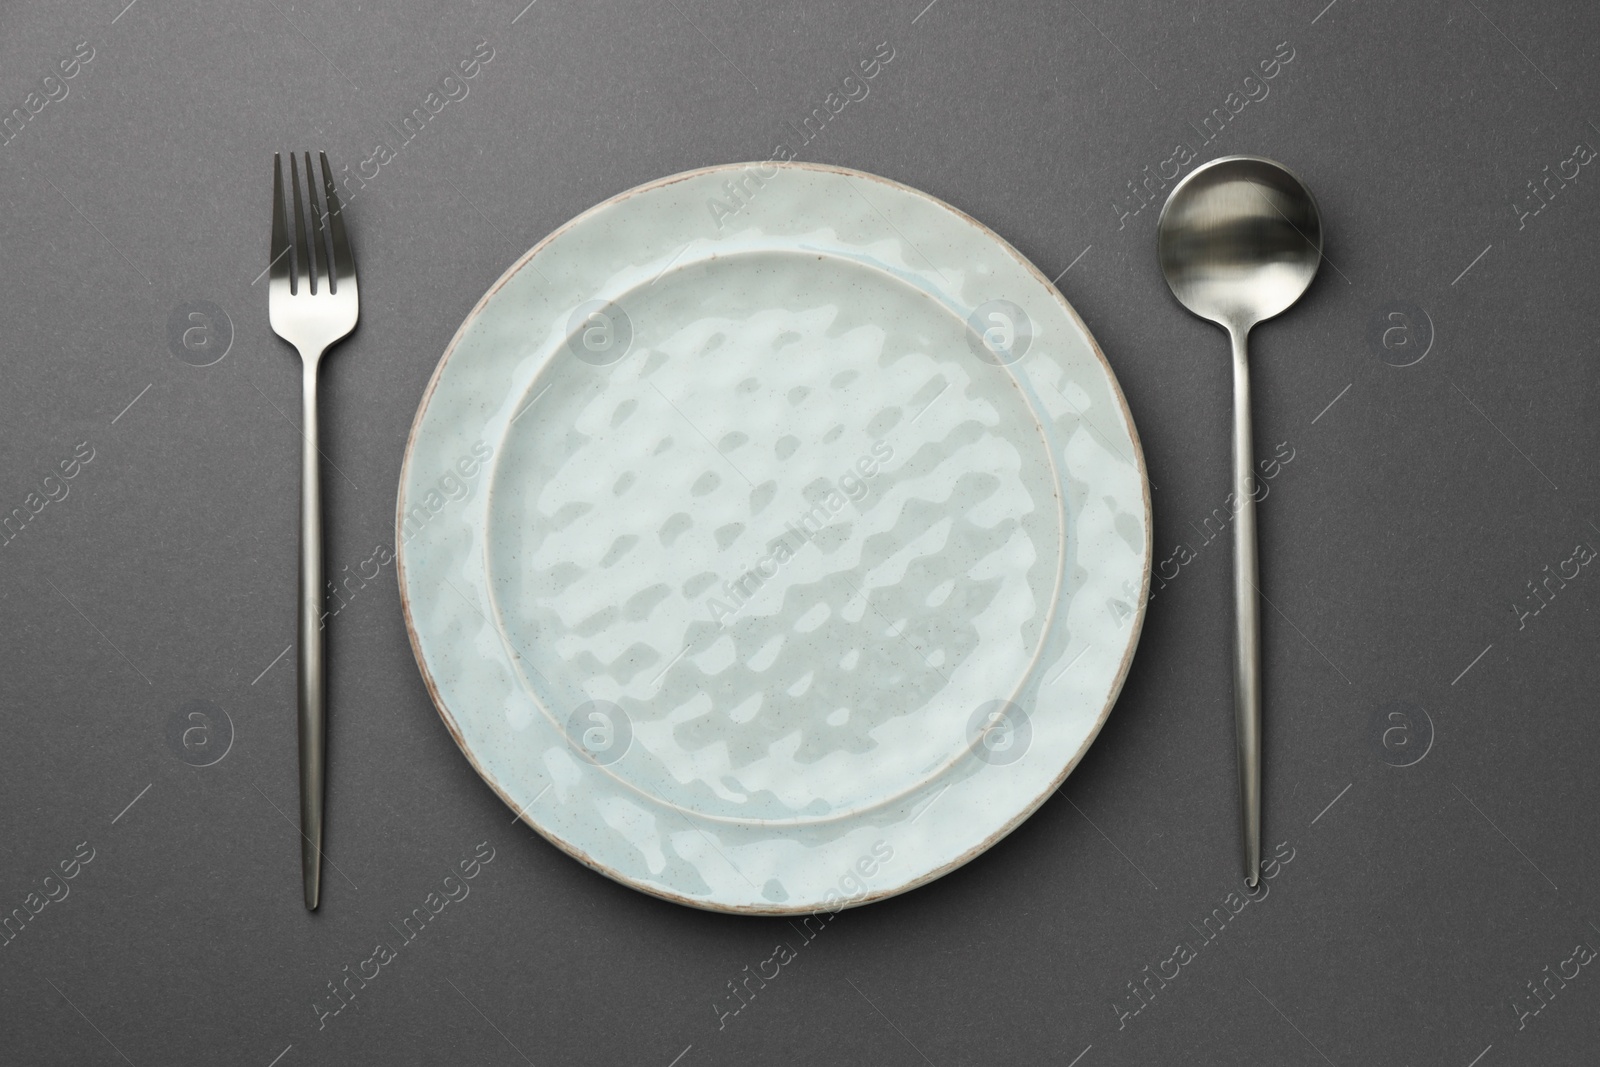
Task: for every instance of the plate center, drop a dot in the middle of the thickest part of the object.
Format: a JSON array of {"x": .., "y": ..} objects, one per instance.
[{"x": 770, "y": 533}]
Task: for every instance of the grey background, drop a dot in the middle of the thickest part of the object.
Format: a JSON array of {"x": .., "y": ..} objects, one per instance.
[{"x": 1416, "y": 509}]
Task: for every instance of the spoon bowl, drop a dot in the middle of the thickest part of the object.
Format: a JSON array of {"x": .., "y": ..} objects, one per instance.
[{"x": 1239, "y": 240}]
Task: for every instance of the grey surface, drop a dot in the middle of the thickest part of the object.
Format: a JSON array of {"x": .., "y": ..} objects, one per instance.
[{"x": 1413, "y": 514}]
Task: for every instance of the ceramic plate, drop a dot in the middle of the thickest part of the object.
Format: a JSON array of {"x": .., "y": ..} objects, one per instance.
[{"x": 773, "y": 538}]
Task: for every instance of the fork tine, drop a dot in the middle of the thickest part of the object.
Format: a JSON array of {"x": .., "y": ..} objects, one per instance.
[
  {"x": 318, "y": 244},
  {"x": 279, "y": 266},
  {"x": 302, "y": 247},
  {"x": 344, "y": 264}
]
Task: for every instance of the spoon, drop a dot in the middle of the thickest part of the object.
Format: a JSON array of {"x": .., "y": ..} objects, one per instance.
[{"x": 1239, "y": 240}]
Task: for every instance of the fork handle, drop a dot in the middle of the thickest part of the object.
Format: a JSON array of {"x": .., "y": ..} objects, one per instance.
[
  {"x": 312, "y": 681},
  {"x": 1246, "y": 615}
]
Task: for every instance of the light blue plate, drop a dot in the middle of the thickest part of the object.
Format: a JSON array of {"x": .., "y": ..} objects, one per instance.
[{"x": 773, "y": 538}]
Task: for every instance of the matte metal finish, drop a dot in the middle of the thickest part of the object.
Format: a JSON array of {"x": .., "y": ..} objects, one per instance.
[
  {"x": 1240, "y": 240},
  {"x": 312, "y": 310}
]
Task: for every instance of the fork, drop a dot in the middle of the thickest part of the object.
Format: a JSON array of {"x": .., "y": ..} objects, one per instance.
[{"x": 313, "y": 310}]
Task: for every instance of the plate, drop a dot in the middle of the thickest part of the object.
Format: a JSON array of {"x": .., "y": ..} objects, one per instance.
[{"x": 773, "y": 538}]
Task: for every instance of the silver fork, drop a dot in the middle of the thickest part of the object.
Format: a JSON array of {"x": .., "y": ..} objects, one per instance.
[{"x": 312, "y": 310}]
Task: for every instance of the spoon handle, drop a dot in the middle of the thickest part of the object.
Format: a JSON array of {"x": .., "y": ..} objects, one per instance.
[{"x": 1246, "y": 614}]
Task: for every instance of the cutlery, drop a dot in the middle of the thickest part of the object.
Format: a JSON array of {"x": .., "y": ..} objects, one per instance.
[
  {"x": 313, "y": 310},
  {"x": 1239, "y": 240}
]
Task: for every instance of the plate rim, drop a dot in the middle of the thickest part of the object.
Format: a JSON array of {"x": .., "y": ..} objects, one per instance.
[{"x": 775, "y": 909}]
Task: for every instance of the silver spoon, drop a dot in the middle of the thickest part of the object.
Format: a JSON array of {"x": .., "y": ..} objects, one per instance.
[{"x": 1240, "y": 239}]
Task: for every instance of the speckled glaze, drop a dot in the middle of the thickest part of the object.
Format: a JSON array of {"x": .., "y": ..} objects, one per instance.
[{"x": 800, "y": 574}]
